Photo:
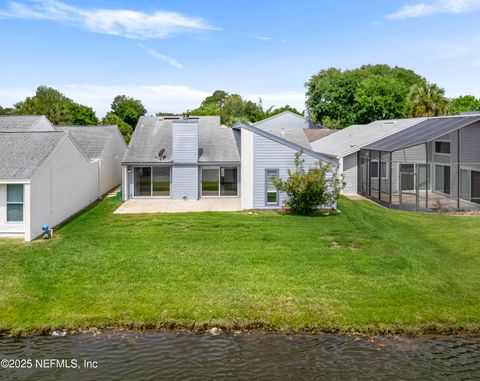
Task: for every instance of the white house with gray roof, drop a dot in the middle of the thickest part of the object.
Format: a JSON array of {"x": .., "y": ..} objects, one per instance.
[
  {"x": 47, "y": 174},
  {"x": 198, "y": 158}
]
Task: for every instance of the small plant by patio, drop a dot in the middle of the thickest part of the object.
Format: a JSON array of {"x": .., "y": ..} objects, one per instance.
[{"x": 308, "y": 189}]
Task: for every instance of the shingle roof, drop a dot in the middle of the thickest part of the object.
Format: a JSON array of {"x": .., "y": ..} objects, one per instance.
[
  {"x": 216, "y": 143},
  {"x": 278, "y": 121},
  {"x": 90, "y": 139},
  {"x": 423, "y": 132},
  {"x": 314, "y": 134},
  {"x": 23, "y": 153},
  {"x": 25, "y": 123},
  {"x": 295, "y": 135},
  {"x": 351, "y": 139}
]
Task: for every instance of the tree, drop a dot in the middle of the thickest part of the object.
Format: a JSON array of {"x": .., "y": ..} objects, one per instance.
[
  {"x": 426, "y": 99},
  {"x": 6, "y": 111},
  {"x": 128, "y": 109},
  {"x": 337, "y": 98},
  {"x": 308, "y": 190},
  {"x": 463, "y": 103},
  {"x": 125, "y": 128},
  {"x": 275, "y": 111},
  {"x": 56, "y": 107}
]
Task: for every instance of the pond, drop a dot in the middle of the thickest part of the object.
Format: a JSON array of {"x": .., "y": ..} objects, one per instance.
[{"x": 166, "y": 355}]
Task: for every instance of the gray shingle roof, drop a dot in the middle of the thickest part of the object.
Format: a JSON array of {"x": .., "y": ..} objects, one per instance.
[
  {"x": 23, "y": 153},
  {"x": 423, "y": 132},
  {"x": 90, "y": 139},
  {"x": 216, "y": 143},
  {"x": 25, "y": 123},
  {"x": 295, "y": 135}
]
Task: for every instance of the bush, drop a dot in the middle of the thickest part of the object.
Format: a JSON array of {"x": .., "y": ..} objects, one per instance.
[{"x": 308, "y": 190}]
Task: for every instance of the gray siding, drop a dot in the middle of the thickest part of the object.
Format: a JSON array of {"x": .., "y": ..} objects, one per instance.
[
  {"x": 414, "y": 154},
  {"x": 185, "y": 182},
  {"x": 470, "y": 146},
  {"x": 271, "y": 155},
  {"x": 350, "y": 173},
  {"x": 185, "y": 142}
]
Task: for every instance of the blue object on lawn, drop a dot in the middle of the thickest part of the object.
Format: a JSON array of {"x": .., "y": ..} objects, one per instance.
[{"x": 45, "y": 228}]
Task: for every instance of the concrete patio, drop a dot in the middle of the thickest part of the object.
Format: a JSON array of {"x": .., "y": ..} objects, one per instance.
[{"x": 179, "y": 206}]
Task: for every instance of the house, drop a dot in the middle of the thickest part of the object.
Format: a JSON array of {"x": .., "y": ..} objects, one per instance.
[
  {"x": 344, "y": 145},
  {"x": 194, "y": 158},
  {"x": 104, "y": 145},
  {"x": 416, "y": 164},
  {"x": 45, "y": 175}
]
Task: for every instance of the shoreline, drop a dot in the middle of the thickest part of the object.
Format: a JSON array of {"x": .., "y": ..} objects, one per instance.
[{"x": 255, "y": 327}]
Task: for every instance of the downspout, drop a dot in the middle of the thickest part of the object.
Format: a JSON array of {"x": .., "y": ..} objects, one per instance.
[
  {"x": 458, "y": 169},
  {"x": 427, "y": 175}
]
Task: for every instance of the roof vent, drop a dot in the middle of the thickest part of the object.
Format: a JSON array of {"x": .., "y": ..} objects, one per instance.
[
  {"x": 389, "y": 122},
  {"x": 161, "y": 154}
]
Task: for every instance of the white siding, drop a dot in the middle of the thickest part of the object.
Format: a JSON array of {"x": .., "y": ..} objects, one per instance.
[
  {"x": 271, "y": 155},
  {"x": 185, "y": 182},
  {"x": 349, "y": 167},
  {"x": 110, "y": 164},
  {"x": 247, "y": 169},
  {"x": 185, "y": 142},
  {"x": 66, "y": 184}
]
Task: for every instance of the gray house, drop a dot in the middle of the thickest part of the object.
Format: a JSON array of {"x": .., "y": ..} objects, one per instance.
[
  {"x": 192, "y": 158},
  {"x": 416, "y": 164}
]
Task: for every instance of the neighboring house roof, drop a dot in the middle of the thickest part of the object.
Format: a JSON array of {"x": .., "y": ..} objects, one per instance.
[
  {"x": 153, "y": 135},
  {"x": 25, "y": 123},
  {"x": 284, "y": 119},
  {"x": 23, "y": 153},
  {"x": 91, "y": 139},
  {"x": 295, "y": 139},
  {"x": 423, "y": 132},
  {"x": 351, "y": 139}
]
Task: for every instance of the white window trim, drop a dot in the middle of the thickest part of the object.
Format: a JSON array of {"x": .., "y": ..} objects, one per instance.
[
  {"x": 379, "y": 168},
  {"x": 277, "y": 202},
  {"x": 14, "y": 203}
]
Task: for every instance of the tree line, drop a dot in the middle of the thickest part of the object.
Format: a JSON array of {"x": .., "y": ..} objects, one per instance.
[{"x": 335, "y": 98}]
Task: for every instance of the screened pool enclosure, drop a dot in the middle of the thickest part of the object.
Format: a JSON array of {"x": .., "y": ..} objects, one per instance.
[{"x": 433, "y": 166}]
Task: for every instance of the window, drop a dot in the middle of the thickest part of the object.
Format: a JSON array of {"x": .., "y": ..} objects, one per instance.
[
  {"x": 219, "y": 181},
  {"x": 151, "y": 181},
  {"x": 442, "y": 179},
  {"x": 374, "y": 169},
  {"x": 14, "y": 202},
  {"x": 210, "y": 181},
  {"x": 271, "y": 192},
  {"x": 161, "y": 181},
  {"x": 229, "y": 181},
  {"x": 442, "y": 148}
]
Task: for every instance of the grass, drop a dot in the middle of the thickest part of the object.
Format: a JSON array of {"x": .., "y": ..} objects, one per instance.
[{"x": 367, "y": 269}]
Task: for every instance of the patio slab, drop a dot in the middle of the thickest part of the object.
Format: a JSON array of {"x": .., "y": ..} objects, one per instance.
[{"x": 179, "y": 206}]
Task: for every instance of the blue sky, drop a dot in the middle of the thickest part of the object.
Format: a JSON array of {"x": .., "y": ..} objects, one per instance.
[{"x": 171, "y": 54}]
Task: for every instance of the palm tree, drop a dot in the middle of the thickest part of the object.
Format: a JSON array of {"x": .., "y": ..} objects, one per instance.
[{"x": 426, "y": 99}]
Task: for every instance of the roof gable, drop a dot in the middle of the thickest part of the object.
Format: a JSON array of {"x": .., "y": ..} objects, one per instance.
[
  {"x": 25, "y": 123},
  {"x": 287, "y": 120}
]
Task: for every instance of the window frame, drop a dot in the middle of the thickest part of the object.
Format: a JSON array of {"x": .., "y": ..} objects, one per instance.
[
  {"x": 8, "y": 203},
  {"x": 219, "y": 171},
  {"x": 151, "y": 181},
  {"x": 277, "y": 198},
  {"x": 442, "y": 153},
  {"x": 379, "y": 166},
  {"x": 450, "y": 179}
]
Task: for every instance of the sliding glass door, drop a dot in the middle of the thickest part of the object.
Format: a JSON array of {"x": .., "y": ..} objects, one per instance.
[
  {"x": 151, "y": 182},
  {"x": 219, "y": 181}
]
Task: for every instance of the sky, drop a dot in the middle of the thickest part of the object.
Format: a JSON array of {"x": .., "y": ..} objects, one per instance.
[{"x": 172, "y": 54}]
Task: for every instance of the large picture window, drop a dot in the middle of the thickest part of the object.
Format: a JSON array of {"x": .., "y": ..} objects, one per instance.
[
  {"x": 14, "y": 202},
  {"x": 219, "y": 181},
  {"x": 271, "y": 192},
  {"x": 151, "y": 181}
]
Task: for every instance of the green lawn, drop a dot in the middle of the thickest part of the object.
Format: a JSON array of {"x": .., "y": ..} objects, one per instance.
[{"x": 366, "y": 269}]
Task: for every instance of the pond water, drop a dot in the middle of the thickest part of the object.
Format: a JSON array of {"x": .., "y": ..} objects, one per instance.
[{"x": 165, "y": 355}]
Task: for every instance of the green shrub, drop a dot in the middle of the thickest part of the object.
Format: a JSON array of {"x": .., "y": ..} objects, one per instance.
[{"x": 308, "y": 189}]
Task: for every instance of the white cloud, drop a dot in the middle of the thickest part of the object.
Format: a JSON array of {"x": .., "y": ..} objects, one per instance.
[
  {"x": 119, "y": 22},
  {"x": 156, "y": 98},
  {"x": 161, "y": 57},
  {"x": 437, "y": 6},
  {"x": 263, "y": 38}
]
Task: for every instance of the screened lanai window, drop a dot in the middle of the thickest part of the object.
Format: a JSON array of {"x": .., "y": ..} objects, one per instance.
[
  {"x": 442, "y": 179},
  {"x": 14, "y": 202}
]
